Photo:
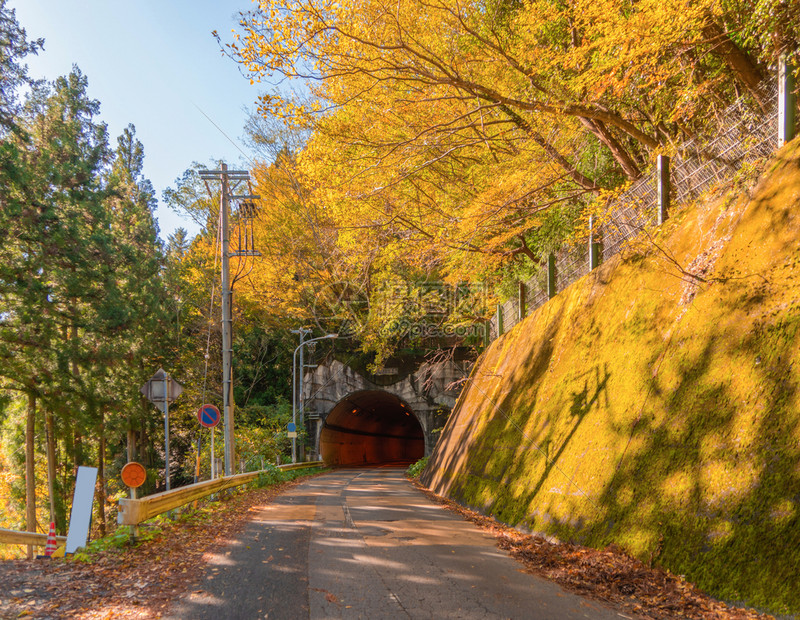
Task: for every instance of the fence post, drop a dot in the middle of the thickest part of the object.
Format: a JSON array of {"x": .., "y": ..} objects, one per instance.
[
  {"x": 594, "y": 245},
  {"x": 663, "y": 188},
  {"x": 786, "y": 101},
  {"x": 499, "y": 320},
  {"x": 551, "y": 276},
  {"x": 522, "y": 297}
]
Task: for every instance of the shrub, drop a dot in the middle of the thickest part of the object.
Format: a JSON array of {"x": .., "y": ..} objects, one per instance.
[{"x": 415, "y": 470}]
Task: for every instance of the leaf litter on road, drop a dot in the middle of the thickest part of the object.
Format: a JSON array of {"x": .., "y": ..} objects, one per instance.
[
  {"x": 607, "y": 575},
  {"x": 138, "y": 581},
  {"x": 142, "y": 581}
]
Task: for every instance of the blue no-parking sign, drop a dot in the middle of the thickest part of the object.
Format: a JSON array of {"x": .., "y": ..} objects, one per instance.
[{"x": 208, "y": 415}]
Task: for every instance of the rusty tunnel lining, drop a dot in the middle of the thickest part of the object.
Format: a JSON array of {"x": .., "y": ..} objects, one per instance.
[{"x": 371, "y": 427}]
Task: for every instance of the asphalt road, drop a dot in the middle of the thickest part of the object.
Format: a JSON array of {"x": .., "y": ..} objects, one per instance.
[{"x": 364, "y": 543}]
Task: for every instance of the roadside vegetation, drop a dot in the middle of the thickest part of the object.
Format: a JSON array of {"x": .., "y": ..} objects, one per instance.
[
  {"x": 415, "y": 469},
  {"x": 92, "y": 303}
]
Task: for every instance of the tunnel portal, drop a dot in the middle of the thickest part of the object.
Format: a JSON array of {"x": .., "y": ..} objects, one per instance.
[{"x": 371, "y": 427}]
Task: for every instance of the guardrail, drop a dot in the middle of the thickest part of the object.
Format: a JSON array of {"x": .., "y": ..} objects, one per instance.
[
  {"x": 12, "y": 537},
  {"x": 134, "y": 511}
]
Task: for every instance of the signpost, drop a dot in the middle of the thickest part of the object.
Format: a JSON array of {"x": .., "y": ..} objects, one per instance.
[
  {"x": 133, "y": 476},
  {"x": 161, "y": 390},
  {"x": 209, "y": 416},
  {"x": 292, "y": 430}
]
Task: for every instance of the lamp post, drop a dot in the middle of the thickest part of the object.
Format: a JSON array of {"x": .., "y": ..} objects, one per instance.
[{"x": 294, "y": 386}]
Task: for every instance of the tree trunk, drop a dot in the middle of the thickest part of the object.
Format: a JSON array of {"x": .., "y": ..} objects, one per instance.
[
  {"x": 131, "y": 443},
  {"x": 61, "y": 494},
  {"x": 101, "y": 475},
  {"x": 736, "y": 59},
  {"x": 552, "y": 152},
  {"x": 51, "y": 463},
  {"x": 77, "y": 447},
  {"x": 526, "y": 251},
  {"x": 142, "y": 449},
  {"x": 77, "y": 444},
  {"x": 621, "y": 155},
  {"x": 30, "y": 470},
  {"x": 69, "y": 450}
]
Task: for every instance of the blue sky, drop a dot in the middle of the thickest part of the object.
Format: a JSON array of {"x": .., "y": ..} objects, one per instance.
[{"x": 152, "y": 63}]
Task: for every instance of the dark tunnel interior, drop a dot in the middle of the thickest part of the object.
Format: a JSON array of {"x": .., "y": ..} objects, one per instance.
[{"x": 371, "y": 427}]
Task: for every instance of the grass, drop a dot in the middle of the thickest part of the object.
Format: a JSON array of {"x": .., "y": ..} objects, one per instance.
[{"x": 640, "y": 409}]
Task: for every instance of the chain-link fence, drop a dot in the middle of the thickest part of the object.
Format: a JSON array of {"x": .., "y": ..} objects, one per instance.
[{"x": 745, "y": 136}]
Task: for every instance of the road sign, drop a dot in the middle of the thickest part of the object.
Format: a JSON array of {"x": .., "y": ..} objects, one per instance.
[
  {"x": 133, "y": 474},
  {"x": 160, "y": 388},
  {"x": 291, "y": 434},
  {"x": 81, "y": 515},
  {"x": 209, "y": 416},
  {"x": 291, "y": 427}
]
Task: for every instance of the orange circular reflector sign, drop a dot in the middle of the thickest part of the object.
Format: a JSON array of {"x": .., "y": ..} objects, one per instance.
[{"x": 133, "y": 474}]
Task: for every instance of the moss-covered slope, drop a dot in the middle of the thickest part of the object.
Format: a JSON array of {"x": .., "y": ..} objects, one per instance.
[{"x": 646, "y": 408}]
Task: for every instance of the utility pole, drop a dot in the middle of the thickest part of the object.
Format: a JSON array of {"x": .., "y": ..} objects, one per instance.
[
  {"x": 227, "y": 327},
  {"x": 298, "y": 390},
  {"x": 229, "y": 181}
]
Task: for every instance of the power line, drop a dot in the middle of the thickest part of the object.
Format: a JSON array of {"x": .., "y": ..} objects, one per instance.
[{"x": 227, "y": 137}]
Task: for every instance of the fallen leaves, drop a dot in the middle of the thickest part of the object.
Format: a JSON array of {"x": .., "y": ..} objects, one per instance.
[
  {"x": 143, "y": 581},
  {"x": 329, "y": 596},
  {"x": 133, "y": 582},
  {"x": 607, "y": 575}
]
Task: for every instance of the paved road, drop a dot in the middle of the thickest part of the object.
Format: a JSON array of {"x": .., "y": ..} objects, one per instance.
[{"x": 364, "y": 543}]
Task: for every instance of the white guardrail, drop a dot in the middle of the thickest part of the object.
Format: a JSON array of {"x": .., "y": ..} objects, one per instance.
[
  {"x": 12, "y": 537},
  {"x": 134, "y": 511}
]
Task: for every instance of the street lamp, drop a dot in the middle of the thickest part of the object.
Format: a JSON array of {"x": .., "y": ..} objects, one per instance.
[{"x": 294, "y": 386}]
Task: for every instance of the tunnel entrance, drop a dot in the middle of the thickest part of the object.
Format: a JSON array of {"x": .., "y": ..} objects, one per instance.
[{"x": 371, "y": 427}]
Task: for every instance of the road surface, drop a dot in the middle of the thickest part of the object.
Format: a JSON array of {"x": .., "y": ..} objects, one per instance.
[{"x": 364, "y": 543}]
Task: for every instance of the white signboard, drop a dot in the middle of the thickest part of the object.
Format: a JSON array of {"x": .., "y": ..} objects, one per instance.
[{"x": 81, "y": 516}]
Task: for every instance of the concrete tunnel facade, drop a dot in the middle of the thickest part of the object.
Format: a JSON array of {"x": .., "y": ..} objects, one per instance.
[
  {"x": 379, "y": 428},
  {"x": 370, "y": 427}
]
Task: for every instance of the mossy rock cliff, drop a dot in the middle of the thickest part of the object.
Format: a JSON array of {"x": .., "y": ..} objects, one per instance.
[{"x": 655, "y": 404}]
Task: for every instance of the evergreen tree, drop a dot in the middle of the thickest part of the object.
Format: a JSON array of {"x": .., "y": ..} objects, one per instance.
[
  {"x": 178, "y": 244},
  {"x": 80, "y": 278},
  {"x": 14, "y": 46},
  {"x": 143, "y": 295},
  {"x": 57, "y": 244}
]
